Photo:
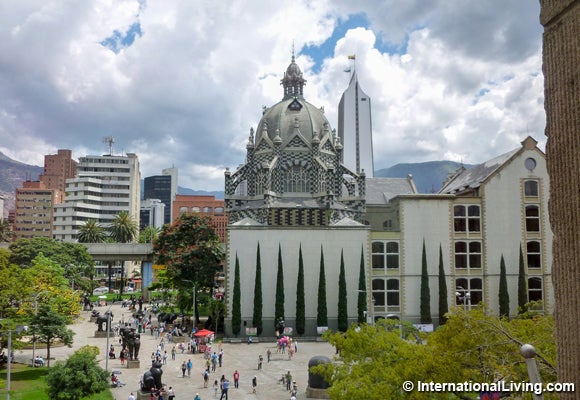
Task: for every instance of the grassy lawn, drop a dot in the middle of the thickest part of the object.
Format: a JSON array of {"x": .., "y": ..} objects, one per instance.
[{"x": 28, "y": 383}]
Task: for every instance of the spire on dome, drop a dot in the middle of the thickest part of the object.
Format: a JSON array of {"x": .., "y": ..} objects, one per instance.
[{"x": 293, "y": 80}]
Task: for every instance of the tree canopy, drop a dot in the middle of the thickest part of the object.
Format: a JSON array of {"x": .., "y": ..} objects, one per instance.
[
  {"x": 78, "y": 377},
  {"x": 472, "y": 346},
  {"x": 191, "y": 251}
]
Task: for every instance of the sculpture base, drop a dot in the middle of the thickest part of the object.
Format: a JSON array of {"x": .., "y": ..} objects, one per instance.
[
  {"x": 133, "y": 364},
  {"x": 100, "y": 334},
  {"x": 141, "y": 395},
  {"x": 312, "y": 393},
  {"x": 93, "y": 319},
  {"x": 180, "y": 339}
]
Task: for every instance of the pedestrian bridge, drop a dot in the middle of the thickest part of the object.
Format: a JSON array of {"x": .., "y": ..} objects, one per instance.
[
  {"x": 116, "y": 251},
  {"x": 120, "y": 251}
]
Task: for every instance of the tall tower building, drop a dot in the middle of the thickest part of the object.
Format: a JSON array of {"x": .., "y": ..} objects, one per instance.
[
  {"x": 162, "y": 187},
  {"x": 57, "y": 169},
  {"x": 104, "y": 186},
  {"x": 355, "y": 129}
]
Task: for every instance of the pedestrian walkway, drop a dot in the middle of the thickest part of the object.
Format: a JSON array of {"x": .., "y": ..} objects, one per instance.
[{"x": 239, "y": 356}]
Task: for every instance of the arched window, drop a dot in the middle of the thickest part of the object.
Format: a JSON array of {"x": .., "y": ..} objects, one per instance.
[
  {"x": 531, "y": 188},
  {"x": 468, "y": 292},
  {"x": 385, "y": 254},
  {"x": 466, "y": 218},
  {"x": 534, "y": 254},
  {"x": 535, "y": 288},
  {"x": 296, "y": 180},
  {"x": 195, "y": 209},
  {"x": 183, "y": 210}
]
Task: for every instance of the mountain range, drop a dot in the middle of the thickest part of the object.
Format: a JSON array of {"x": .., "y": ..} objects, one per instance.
[{"x": 428, "y": 176}]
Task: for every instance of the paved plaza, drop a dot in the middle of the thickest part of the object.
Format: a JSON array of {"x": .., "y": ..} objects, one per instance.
[{"x": 237, "y": 356}]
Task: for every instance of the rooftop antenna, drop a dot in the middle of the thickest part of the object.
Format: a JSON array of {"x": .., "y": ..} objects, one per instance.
[{"x": 109, "y": 140}]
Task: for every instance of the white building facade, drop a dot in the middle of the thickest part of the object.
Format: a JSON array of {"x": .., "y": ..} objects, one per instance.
[
  {"x": 104, "y": 186},
  {"x": 355, "y": 128}
]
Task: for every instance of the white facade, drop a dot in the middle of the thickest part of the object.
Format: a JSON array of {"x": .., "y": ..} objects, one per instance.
[
  {"x": 355, "y": 129},
  {"x": 156, "y": 211},
  {"x": 479, "y": 216},
  {"x": 350, "y": 240},
  {"x": 104, "y": 186}
]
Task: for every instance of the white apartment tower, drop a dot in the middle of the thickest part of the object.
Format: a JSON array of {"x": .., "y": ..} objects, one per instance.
[
  {"x": 355, "y": 129},
  {"x": 104, "y": 186}
]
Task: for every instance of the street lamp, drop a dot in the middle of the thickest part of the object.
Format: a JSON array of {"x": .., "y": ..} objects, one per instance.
[
  {"x": 395, "y": 316},
  {"x": 464, "y": 296},
  {"x": 18, "y": 330}
]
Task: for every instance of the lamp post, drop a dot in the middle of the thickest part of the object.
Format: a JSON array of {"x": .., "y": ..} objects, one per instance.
[
  {"x": 372, "y": 313},
  {"x": 18, "y": 330},
  {"x": 528, "y": 352},
  {"x": 464, "y": 296},
  {"x": 395, "y": 316}
]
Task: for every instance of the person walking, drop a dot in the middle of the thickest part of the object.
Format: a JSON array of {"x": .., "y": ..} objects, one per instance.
[
  {"x": 183, "y": 369},
  {"x": 131, "y": 396},
  {"x": 170, "y": 394},
  {"x": 173, "y": 353},
  {"x": 205, "y": 374},
  {"x": 236, "y": 379},
  {"x": 197, "y": 397},
  {"x": 268, "y": 355},
  {"x": 220, "y": 357},
  {"x": 288, "y": 380},
  {"x": 189, "y": 366},
  {"x": 254, "y": 384},
  {"x": 215, "y": 388},
  {"x": 260, "y": 360},
  {"x": 225, "y": 388}
]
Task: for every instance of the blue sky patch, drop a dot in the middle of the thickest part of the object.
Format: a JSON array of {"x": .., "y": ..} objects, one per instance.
[{"x": 118, "y": 41}]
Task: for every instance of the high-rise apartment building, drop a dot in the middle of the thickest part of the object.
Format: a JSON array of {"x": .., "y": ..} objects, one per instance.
[
  {"x": 355, "y": 129},
  {"x": 34, "y": 210},
  {"x": 104, "y": 186},
  {"x": 57, "y": 169}
]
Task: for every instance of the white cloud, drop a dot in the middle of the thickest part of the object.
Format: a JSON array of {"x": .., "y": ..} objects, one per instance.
[{"x": 448, "y": 79}]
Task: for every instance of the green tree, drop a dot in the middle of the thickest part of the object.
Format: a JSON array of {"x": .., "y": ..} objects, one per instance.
[
  {"x": 237, "y": 301},
  {"x": 91, "y": 232},
  {"x": 123, "y": 229},
  {"x": 78, "y": 377},
  {"x": 23, "y": 251},
  {"x": 216, "y": 310},
  {"x": 300, "y": 296},
  {"x": 149, "y": 234},
  {"x": 257, "y": 316},
  {"x": 342, "y": 297},
  {"x": 49, "y": 326},
  {"x": 362, "y": 290},
  {"x": 504, "y": 296},
  {"x": 14, "y": 285},
  {"x": 191, "y": 251},
  {"x": 322, "y": 314},
  {"x": 425, "y": 299},
  {"x": 6, "y": 233},
  {"x": 279, "y": 305},
  {"x": 522, "y": 284},
  {"x": 443, "y": 305}
]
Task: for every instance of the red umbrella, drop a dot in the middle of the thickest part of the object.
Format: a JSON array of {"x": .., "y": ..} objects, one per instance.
[{"x": 203, "y": 332}]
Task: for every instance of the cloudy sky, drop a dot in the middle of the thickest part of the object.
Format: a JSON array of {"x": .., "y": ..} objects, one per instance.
[{"x": 181, "y": 82}]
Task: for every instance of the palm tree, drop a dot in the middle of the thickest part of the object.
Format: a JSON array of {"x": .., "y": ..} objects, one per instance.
[
  {"x": 123, "y": 229},
  {"x": 149, "y": 234},
  {"x": 91, "y": 232}
]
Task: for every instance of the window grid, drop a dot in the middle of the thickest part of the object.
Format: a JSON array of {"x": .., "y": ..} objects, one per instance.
[
  {"x": 467, "y": 218},
  {"x": 385, "y": 254},
  {"x": 468, "y": 255}
]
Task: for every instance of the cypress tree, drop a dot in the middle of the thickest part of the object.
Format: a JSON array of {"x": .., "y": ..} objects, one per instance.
[
  {"x": 522, "y": 285},
  {"x": 300, "y": 300},
  {"x": 257, "y": 317},
  {"x": 504, "y": 297},
  {"x": 362, "y": 290},
  {"x": 279, "y": 307},
  {"x": 443, "y": 306},
  {"x": 322, "y": 315},
  {"x": 425, "y": 292},
  {"x": 236, "y": 301},
  {"x": 342, "y": 300}
]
